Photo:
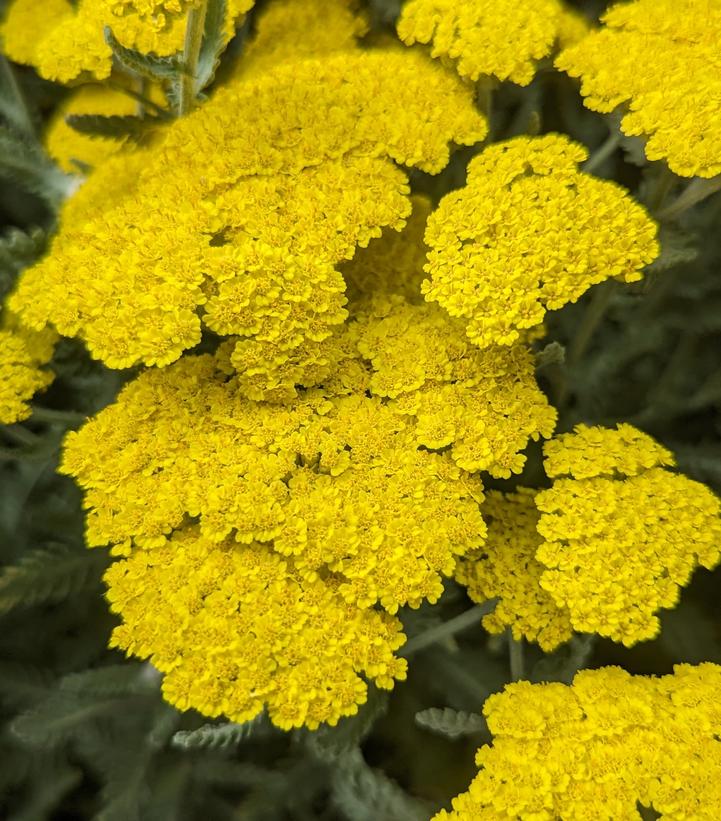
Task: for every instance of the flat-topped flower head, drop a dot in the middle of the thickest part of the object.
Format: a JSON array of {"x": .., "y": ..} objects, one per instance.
[
  {"x": 282, "y": 537},
  {"x": 530, "y": 233},
  {"x": 658, "y": 60},
  {"x": 622, "y": 534},
  {"x": 239, "y": 216},
  {"x": 484, "y": 406},
  {"x": 236, "y": 628},
  {"x": 485, "y": 37},
  {"x": 334, "y": 480},
  {"x": 506, "y": 568},
  {"x": 287, "y": 30},
  {"x": 23, "y": 353},
  {"x": 66, "y": 42},
  {"x": 600, "y": 748}
]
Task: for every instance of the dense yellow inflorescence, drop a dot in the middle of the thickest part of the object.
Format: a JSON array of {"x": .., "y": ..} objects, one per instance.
[
  {"x": 334, "y": 480},
  {"x": 275, "y": 181},
  {"x": 484, "y": 406},
  {"x": 659, "y": 61},
  {"x": 70, "y": 45},
  {"x": 529, "y": 233},
  {"x": 485, "y": 37},
  {"x": 236, "y": 628},
  {"x": 330, "y": 493},
  {"x": 599, "y": 748},
  {"x": 621, "y": 533},
  {"x": 22, "y": 354},
  {"x": 357, "y": 490},
  {"x": 506, "y": 568},
  {"x": 392, "y": 263},
  {"x": 288, "y": 30}
]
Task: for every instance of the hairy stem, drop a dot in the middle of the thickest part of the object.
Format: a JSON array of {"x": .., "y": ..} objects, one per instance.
[
  {"x": 448, "y": 628},
  {"x": 697, "y": 191},
  {"x": 57, "y": 416},
  {"x": 14, "y": 106},
  {"x": 603, "y": 152},
  {"x": 191, "y": 51},
  {"x": 515, "y": 658}
]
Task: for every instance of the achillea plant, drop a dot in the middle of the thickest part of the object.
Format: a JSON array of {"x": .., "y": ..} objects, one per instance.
[{"x": 381, "y": 377}]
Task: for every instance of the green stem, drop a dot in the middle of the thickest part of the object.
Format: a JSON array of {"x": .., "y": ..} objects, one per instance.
[
  {"x": 52, "y": 415},
  {"x": 590, "y": 321},
  {"x": 603, "y": 152},
  {"x": 593, "y": 317},
  {"x": 193, "y": 40},
  {"x": 448, "y": 628},
  {"x": 697, "y": 191},
  {"x": 664, "y": 183},
  {"x": 143, "y": 101},
  {"x": 484, "y": 92},
  {"x": 515, "y": 658}
]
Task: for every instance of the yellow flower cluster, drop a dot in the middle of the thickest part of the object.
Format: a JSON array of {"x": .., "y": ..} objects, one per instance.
[
  {"x": 274, "y": 182},
  {"x": 487, "y": 37},
  {"x": 236, "y": 628},
  {"x": 330, "y": 491},
  {"x": 22, "y": 353},
  {"x": 66, "y": 145},
  {"x": 482, "y": 405},
  {"x": 66, "y": 42},
  {"x": 658, "y": 60},
  {"x": 600, "y": 748},
  {"x": 356, "y": 491},
  {"x": 506, "y": 568},
  {"x": 622, "y": 534},
  {"x": 530, "y": 233},
  {"x": 392, "y": 263},
  {"x": 288, "y": 30}
]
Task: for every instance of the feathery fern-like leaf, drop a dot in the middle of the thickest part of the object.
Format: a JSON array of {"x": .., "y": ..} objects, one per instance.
[
  {"x": 449, "y": 722},
  {"x": 218, "y": 736},
  {"x": 50, "y": 575}
]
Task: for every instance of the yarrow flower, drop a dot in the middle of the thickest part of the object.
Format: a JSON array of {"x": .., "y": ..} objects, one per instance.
[
  {"x": 622, "y": 534},
  {"x": 22, "y": 354},
  {"x": 530, "y": 233},
  {"x": 357, "y": 487},
  {"x": 600, "y": 748},
  {"x": 658, "y": 60},
  {"x": 486, "y": 37},
  {"x": 66, "y": 42},
  {"x": 506, "y": 568},
  {"x": 274, "y": 182},
  {"x": 289, "y": 30},
  {"x": 332, "y": 491},
  {"x": 391, "y": 264},
  {"x": 236, "y": 628}
]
